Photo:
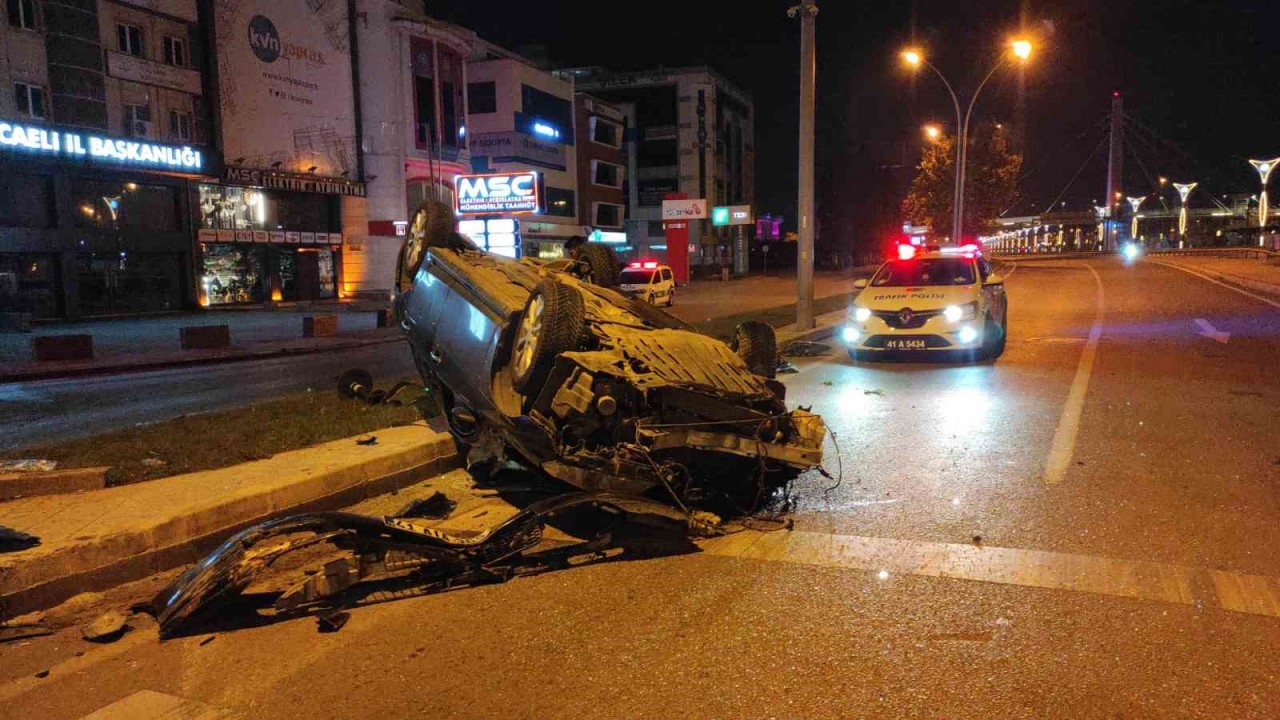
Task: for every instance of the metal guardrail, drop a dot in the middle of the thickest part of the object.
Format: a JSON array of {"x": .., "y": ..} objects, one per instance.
[{"x": 1222, "y": 252}]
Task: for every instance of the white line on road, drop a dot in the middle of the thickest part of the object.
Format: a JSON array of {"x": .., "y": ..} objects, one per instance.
[
  {"x": 1202, "y": 276},
  {"x": 1209, "y": 331},
  {"x": 1064, "y": 437}
]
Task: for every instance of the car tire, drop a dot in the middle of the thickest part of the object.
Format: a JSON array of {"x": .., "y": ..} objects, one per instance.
[
  {"x": 757, "y": 345},
  {"x": 551, "y": 323},
  {"x": 649, "y": 298},
  {"x": 671, "y": 298},
  {"x": 993, "y": 340},
  {"x": 602, "y": 264}
]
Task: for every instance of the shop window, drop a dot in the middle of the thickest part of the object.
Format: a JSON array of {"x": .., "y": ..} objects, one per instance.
[
  {"x": 22, "y": 14},
  {"x": 29, "y": 284},
  {"x": 129, "y": 39},
  {"x": 234, "y": 273},
  {"x": 124, "y": 283},
  {"x": 229, "y": 207},
  {"x": 175, "y": 51},
  {"x": 26, "y": 200},
  {"x": 606, "y": 132},
  {"x": 482, "y": 97},
  {"x": 606, "y": 174},
  {"x": 29, "y": 99},
  {"x": 136, "y": 120},
  {"x": 424, "y": 97},
  {"x": 114, "y": 205},
  {"x": 545, "y": 106},
  {"x": 656, "y": 229},
  {"x": 302, "y": 211},
  {"x": 607, "y": 214},
  {"x": 180, "y": 125},
  {"x": 449, "y": 115},
  {"x": 561, "y": 202}
]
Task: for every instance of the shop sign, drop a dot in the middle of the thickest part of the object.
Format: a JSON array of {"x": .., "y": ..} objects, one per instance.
[
  {"x": 226, "y": 236},
  {"x": 292, "y": 181},
  {"x": 277, "y": 236},
  {"x": 684, "y": 209},
  {"x": 261, "y": 236},
  {"x": 496, "y": 193},
  {"x": 515, "y": 147},
  {"x": 75, "y": 145},
  {"x": 130, "y": 67},
  {"x": 244, "y": 236},
  {"x": 292, "y": 237},
  {"x": 731, "y": 215},
  {"x": 206, "y": 235},
  {"x": 308, "y": 238},
  {"x": 335, "y": 238}
]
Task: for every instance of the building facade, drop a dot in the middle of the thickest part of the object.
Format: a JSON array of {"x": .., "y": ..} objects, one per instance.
[
  {"x": 602, "y": 171},
  {"x": 521, "y": 119},
  {"x": 691, "y": 131},
  {"x": 104, "y": 135}
]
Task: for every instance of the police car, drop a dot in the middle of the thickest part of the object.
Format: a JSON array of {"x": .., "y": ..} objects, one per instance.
[
  {"x": 649, "y": 281},
  {"x": 929, "y": 300}
]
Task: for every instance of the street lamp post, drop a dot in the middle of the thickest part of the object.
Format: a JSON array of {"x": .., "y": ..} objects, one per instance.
[
  {"x": 1264, "y": 168},
  {"x": 1184, "y": 191},
  {"x": 1135, "y": 203},
  {"x": 1020, "y": 49},
  {"x": 807, "y": 11}
]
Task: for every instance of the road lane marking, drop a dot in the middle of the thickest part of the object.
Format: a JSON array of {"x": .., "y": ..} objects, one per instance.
[
  {"x": 1161, "y": 582},
  {"x": 1064, "y": 437},
  {"x": 1208, "y": 330},
  {"x": 1215, "y": 281}
]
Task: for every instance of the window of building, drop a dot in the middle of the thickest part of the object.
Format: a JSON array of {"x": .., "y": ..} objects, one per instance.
[
  {"x": 136, "y": 120},
  {"x": 29, "y": 283},
  {"x": 561, "y": 202},
  {"x": 606, "y": 174},
  {"x": 22, "y": 14},
  {"x": 606, "y": 132},
  {"x": 175, "y": 51},
  {"x": 424, "y": 98},
  {"x": 29, "y": 99},
  {"x": 545, "y": 106},
  {"x": 658, "y": 153},
  {"x": 115, "y": 205},
  {"x": 26, "y": 200},
  {"x": 180, "y": 125},
  {"x": 448, "y": 115},
  {"x": 607, "y": 214},
  {"x": 129, "y": 39},
  {"x": 228, "y": 207},
  {"x": 656, "y": 229},
  {"x": 482, "y": 97}
]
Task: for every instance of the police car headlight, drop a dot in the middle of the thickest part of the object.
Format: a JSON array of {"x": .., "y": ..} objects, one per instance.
[
  {"x": 850, "y": 335},
  {"x": 862, "y": 314},
  {"x": 967, "y": 334},
  {"x": 956, "y": 313}
]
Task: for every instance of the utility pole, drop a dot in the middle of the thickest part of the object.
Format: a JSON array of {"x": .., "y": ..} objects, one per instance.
[
  {"x": 1115, "y": 168},
  {"x": 807, "y": 10}
]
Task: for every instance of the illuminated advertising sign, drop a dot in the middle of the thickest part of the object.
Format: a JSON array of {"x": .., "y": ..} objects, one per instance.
[
  {"x": 731, "y": 215},
  {"x": 684, "y": 209},
  {"x": 76, "y": 145},
  {"x": 500, "y": 193}
]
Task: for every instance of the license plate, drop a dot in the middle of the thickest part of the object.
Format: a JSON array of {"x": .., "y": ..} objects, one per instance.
[{"x": 905, "y": 344}]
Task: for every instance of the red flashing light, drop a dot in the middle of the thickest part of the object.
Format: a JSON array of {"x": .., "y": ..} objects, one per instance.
[
  {"x": 906, "y": 252},
  {"x": 1115, "y": 93},
  {"x": 650, "y": 265}
]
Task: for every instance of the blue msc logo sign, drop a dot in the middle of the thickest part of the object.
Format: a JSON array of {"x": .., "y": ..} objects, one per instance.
[
  {"x": 264, "y": 41},
  {"x": 496, "y": 193}
]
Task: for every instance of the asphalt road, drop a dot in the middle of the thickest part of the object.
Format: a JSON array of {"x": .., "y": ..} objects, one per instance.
[
  {"x": 51, "y": 410},
  {"x": 1085, "y": 528}
]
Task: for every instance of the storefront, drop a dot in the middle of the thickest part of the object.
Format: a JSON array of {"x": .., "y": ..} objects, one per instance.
[
  {"x": 276, "y": 239},
  {"x": 94, "y": 226}
]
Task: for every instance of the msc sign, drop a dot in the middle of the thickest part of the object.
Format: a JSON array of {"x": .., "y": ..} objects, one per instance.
[{"x": 499, "y": 193}]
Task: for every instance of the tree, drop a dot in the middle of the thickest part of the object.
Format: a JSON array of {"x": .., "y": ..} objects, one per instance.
[{"x": 991, "y": 181}]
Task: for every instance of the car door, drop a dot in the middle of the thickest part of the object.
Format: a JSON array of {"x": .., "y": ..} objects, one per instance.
[{"x": 993, "y": 295}]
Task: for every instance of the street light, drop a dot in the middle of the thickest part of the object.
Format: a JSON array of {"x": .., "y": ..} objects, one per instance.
[
  {"x": 933, "y": 132},
  {"x": 1264, "y": 168},
  {"x": 1184, "y": 190},
  {"x": 914, "y": 57},
  {"x": 1135, "y": 202}
]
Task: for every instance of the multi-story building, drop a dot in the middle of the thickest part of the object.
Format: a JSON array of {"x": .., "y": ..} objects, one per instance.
[
  {"x": 521, "y": 119},
  {"x": 412, "y": 72},
  {"x": 692, "y": 132},
  {"x": 602, "y": 170},
  {"x": 104, "y": 131}
]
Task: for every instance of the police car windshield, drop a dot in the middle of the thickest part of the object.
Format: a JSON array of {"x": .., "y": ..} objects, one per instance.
[
  {"x": 931, "y": 271},
  {"x": 636, "y": 277}
]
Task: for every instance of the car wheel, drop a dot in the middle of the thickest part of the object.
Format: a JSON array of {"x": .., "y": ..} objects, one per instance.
[
  {"x": 757, "y": 345},
  {"x": 671, "y": 298},
  {"x": 602, "y": 264},
  {"x": 649, "y": 298},
  {"x": 993, "y": 339},
  {"x": 551, "y": 324}
]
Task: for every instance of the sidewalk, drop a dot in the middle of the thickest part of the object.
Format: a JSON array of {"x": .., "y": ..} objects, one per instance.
[
  {"x": 1259, "y": 275},
  {"x": 98, "y": 539},
  {"x": 126, "y": 344}
]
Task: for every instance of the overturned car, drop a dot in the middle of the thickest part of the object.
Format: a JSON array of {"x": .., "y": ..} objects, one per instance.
[{"x": 545, "y": 360}]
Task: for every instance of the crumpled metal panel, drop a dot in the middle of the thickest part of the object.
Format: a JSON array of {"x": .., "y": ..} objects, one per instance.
[{"x": 683, "y": 358}]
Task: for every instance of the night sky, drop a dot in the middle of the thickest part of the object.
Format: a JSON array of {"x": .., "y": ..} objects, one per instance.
[{"x": 1200, "y": 77}]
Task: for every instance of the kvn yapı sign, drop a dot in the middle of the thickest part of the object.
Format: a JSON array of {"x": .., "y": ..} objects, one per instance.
[
  {"x": 496, "y": 193},
  {"x": 104, "y": 150}
]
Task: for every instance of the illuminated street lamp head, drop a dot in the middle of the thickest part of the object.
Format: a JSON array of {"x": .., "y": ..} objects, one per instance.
[
  {"x": 1184, "y": 190},
  {"x": 1021, "y": 49},
  {"x": 933, "y": 132},
  {"x": 1264, "y": 167},
  {"x": 1164, "y": 180},
  {"x": 1136, "y": 202},
  {"x": 912, "y": 57}
]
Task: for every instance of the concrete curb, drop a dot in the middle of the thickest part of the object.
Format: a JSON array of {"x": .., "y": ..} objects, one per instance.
[
  {"x": 177, "y": 362},
  {"x": 54, "y": 482},
  {"x": 147, "y": 547}
]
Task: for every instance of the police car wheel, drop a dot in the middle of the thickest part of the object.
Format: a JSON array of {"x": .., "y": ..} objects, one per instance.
[{"x": 993, "y": 339}]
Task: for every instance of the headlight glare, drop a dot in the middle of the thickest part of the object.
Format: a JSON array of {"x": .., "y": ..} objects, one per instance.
[{"x": 862, "y": 314}]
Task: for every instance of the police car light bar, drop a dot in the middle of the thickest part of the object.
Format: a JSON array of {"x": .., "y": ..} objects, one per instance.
[{"x": 906, "y": 252}]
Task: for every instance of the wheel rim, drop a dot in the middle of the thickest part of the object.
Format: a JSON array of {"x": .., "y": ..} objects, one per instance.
[{"x": 528, "y": 335}]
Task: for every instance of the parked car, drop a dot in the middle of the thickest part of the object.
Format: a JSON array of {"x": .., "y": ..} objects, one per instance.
[{"x": 649, "y": 281}]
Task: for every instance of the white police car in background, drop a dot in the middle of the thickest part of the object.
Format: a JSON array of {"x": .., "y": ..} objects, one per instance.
[
  {"x": 649, "y": 281},
  {"x": 929, "y": 301}
]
